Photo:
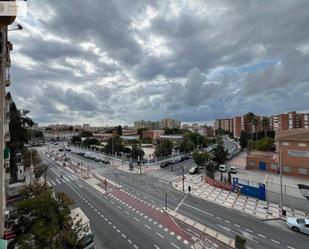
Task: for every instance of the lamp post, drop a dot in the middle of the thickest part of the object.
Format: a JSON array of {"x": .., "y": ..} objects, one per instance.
[
  {"x": 165, "y": 200},
  {"x": 183, "y": 178},
  {"x": 281, "y": 187}
]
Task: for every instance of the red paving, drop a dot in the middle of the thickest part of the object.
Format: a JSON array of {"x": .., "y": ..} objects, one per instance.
[{"x": 161, "y": 218}]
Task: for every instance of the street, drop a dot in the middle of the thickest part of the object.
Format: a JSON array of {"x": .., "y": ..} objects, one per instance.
[{"x": 151, "y": 190}]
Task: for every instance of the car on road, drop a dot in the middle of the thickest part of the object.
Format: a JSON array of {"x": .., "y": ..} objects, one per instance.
[
  {"x": 222, "y": 168},
  {"x": 165, "y": 164},
  {"x": 298, "y": 225},
  {"x": 60, "y": 149},
  {"x": 194, "y": 170},
  {"x": 233, "y": 170}
]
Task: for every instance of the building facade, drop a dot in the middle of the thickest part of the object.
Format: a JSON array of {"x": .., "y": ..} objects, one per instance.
[
  {"x": 169, "y": 123},
  {"x": 293, "y": 149}
]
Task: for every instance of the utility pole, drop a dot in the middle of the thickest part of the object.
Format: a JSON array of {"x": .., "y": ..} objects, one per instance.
[
  {"x": 281, "y": 187},
  {"x": 165, "y": 200}
]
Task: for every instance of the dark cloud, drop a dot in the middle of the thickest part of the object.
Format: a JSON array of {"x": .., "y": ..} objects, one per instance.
[{"x": 114, "y": 61}]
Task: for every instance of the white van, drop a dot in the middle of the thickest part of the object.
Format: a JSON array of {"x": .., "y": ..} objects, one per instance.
[{"x": 233, "y": 170}]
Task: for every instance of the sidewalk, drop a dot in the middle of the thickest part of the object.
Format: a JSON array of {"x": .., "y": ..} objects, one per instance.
[{"x": 260, "y": 209}]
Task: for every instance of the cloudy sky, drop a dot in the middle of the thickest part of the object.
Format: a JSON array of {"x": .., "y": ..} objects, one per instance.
[{"x": 113, "y": 62}]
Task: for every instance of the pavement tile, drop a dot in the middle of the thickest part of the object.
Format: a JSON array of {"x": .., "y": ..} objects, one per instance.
[
  {"x": 228, "y": 205},
  {"x": 260, "y": 216},
  {"x": 248, "y": 211},
  {"x": 249, "y": 207}
]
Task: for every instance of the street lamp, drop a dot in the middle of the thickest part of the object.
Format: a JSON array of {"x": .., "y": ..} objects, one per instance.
[
  {"x": 165, "y": 200},
  {"x": 183, "y": 178}
]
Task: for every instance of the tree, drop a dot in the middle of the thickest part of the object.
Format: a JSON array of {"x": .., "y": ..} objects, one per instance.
[
  {"x": 43, "y": 220},
  {"x": 200, "y": 158},
  {"x": 243, "y": 139},
  {"x": 251, "y": 144},
  {"x": 89, "y": 142},
  {"x": 220, "y": 154},
  {"x": 19, "y": 122},
  {"x": 86, "y": 134},
  {"x": 186, "y": 145},
  {"x": 265, "y": 125},
  {"x": 164, "y": 148},
  {"x": 137, "y": 152},
  {"x": 147, "y": 140},
  {"x": 265, "y": 144},
  {"x": 36, "y": 160},
  {"x": 114, "y": 145},
  {"x": 76, "y": 140}
]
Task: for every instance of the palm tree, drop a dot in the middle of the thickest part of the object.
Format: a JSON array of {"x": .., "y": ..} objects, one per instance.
[
  {"x": 255, "y": 123},
  {"x": 250, "y": 117}
]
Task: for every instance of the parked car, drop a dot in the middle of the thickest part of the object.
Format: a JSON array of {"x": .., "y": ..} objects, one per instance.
[
  {"x": 298, "y": 225},
  {"x": 194, "y": 170},
  {"x": 222, "y": 168},
  {"x": 165, "y": 164},
  {"x": 60, "y": 149},
  {"x": 233, "y": 170},
  {"x": 183, "y": 158}
]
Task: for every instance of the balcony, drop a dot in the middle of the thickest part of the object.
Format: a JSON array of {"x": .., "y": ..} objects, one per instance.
[{"x": 7, "y": 137}]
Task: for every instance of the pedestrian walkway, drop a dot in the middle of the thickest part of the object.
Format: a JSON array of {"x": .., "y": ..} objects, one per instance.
[
  {"x": 61, "y": 177},
  {"x": 164, "y": 175},
  {"x": 260, "y": 209}
]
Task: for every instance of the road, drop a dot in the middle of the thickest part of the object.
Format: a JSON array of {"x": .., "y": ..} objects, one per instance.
[{"x": 151, "y": 189}]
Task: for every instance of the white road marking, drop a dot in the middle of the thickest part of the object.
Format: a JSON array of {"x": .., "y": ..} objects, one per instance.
[
  {"x": 135, "y": 246},
  {"x": 160, "y": 235},
  {"x": 236, "y": 225},
  {"x": 148, "y": 226},
  {"x": 127, "y": 212},
  {"x": 53, "y": 183},
  {"x": 227, "y": 221},
  {"x": 261, "y": 235},
  {"x": 290, "y": 247},
  {"x": 248, "y": 230},
  {"x": 219, "y": 218},
  {"x": 136, "y": 219},
  {"x": 275, "y": 241},
  {"x": 123, "y": 235},
  {"x": 130, "y": 241},
  {"x": 180, "y": 203},
  {"x": 156, "y": 246},
  {"x": 174, "y": 245},
  {"x": 57, "y": 180}
]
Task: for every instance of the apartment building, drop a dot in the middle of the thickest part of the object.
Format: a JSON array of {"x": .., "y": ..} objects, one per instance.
[
  {"x": 143, "y": 124},
  {"x": 293, "y": 148},
  {"x": 169, "y": 123},
  {"x": 289, "y": 121},
  {"x": 225, "y": 124}
]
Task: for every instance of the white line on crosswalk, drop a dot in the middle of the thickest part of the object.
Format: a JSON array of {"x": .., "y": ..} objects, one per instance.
[
  {"x": 57, "y": 180},
  {"x": 53, "y": 183},
  {"x": 65, "y": 178}
]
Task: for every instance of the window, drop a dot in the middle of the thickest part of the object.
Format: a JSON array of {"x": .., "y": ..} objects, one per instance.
[
  {"x": 302, "y": 171},
  {"x": 286, "y": 169},
  {"x": 273, "y": 166},
  {"x": 285, "y": 143},
  {"x": 302, "y": 144}
]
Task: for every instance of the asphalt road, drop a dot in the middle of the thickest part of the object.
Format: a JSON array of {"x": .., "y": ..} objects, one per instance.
[{"x": 149, "y": 188}]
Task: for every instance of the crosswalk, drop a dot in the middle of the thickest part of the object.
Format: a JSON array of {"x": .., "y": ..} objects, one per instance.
[
  {"x": 164, "y": 176},
  {"x": 61, "y": 177}
]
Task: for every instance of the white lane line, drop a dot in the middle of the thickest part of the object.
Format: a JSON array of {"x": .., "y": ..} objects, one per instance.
[
  {"x": 227, "y": 221},
  {"x": 136, "y": 219},
  {"x": 118, "y": 231},
  {"x": 275, "y": 241},
  {"x": 174, "y": 245},
  {"x": 119, "y": 207},
  {"x": 156, "y": 246},
  {"x": 148, "y": 226},
  {"x": 160, "y": 235},
  {"x": 130, "y": 241},
  {"x": 261, "y": 235},
  {"x": 65, "y": 178},
  {"x": 57, "y": 180},
  {"x": 123, "y": 235},
  {"x": 180, "y": 203},
  {"x": 127, "y": 212},
  {"x": 53, "y": 182},
  {"x": 248, "y": 230},
  {"x": 135, "y": 246},
  {"x": 290, "y": 247},
  {"x": 200, "y": 210},
  {"x": 219, "y": 218},
  {"x": 236, "y": 225}
]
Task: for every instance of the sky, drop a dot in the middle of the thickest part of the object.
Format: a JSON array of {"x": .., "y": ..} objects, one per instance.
[{"x": 113, "y": 62}]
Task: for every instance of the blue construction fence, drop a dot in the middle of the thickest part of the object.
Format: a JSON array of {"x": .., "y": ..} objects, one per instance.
[{"x": 253, "y": 189}]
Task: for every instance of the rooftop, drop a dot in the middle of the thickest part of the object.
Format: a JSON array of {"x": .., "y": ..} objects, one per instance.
[{"x": 293, "y": 135}]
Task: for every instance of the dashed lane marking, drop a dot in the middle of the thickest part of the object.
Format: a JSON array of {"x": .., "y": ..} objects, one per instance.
[
  {"x": 148, "y": 226},
  {"x": 248, "y": 230},
  {"x": 160, "y": 235},
  {"x": 136, "y": 219},
  {"x": 174, "y": 245},
  {"x": 275, "y": 241},
  {"x": 261, "y": 235}
]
